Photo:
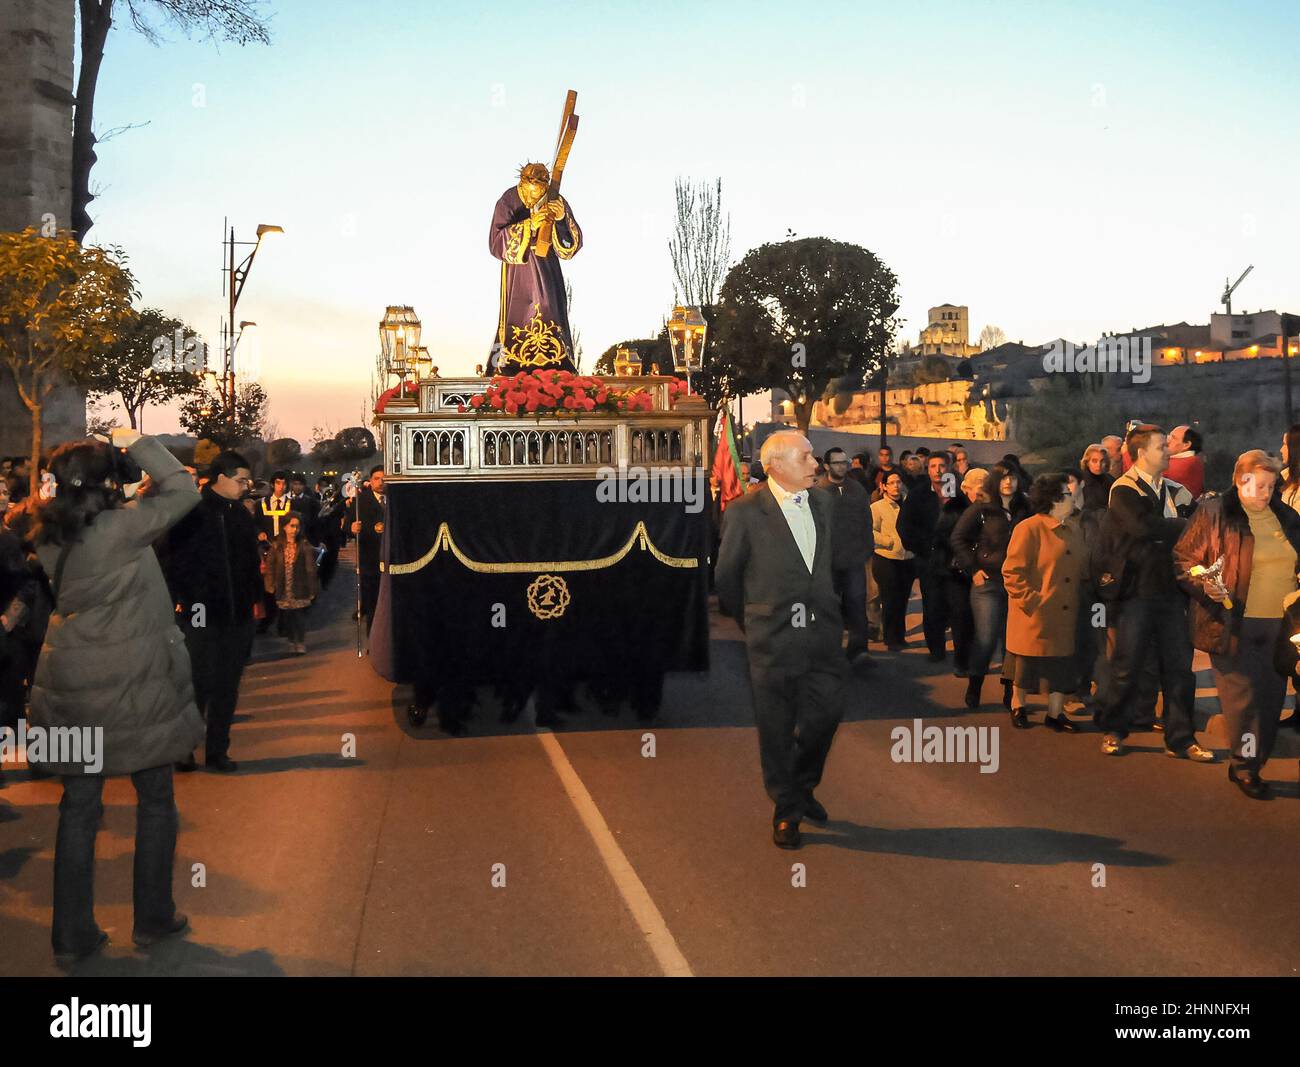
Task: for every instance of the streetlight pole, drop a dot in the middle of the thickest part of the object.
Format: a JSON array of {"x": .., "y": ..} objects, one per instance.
[{"x": 234, "y": 278}]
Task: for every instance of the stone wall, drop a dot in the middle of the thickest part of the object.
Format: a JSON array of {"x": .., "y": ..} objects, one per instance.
[
  {"x": 36, "y": 41},
  {"x": 938, "y": 409}
]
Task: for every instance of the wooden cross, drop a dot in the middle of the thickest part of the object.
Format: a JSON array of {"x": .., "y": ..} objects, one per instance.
[{"x": 568, "y": 129}]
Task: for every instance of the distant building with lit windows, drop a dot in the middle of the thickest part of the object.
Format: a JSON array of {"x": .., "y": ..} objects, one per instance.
[{"x": 1226, "y": 338}]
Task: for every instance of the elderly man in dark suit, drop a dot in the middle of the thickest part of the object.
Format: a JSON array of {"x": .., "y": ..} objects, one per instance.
[{"x": 774, "y": 577}]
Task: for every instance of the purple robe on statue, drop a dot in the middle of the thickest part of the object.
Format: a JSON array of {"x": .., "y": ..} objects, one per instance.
[{"x": 533, "y": 325}]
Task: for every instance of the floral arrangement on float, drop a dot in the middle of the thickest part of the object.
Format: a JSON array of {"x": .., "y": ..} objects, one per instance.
[{"x": 561, "y": 392}]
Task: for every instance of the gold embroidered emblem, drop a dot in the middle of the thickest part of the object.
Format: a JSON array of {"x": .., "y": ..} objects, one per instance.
[
  {"x": 538, "y": 344},
  {"x": 548, "y": 596}
]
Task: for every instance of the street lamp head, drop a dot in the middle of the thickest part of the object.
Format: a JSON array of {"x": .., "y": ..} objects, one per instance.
[
  {"x": 246, "y": 323},
  {"x": 263, "y": 229}
]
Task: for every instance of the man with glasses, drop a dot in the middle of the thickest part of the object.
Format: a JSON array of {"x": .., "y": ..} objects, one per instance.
[
  {"x": 212, "y": 566},
  {"x": 851, "y": 547}
]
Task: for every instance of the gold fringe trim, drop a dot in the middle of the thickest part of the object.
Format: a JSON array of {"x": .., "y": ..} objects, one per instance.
[{"x": 443, "y": 542}]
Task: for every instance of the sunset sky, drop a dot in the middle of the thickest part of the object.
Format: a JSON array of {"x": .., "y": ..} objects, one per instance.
[{"x": 1063, "y": 169}]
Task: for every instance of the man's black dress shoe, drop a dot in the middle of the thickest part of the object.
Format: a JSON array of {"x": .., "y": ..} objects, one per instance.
[
  {"x": 812, "y": 809},
  {"x": 186, "y": 765},
  {"x": 224, "y": 764},
  {"x": 65, "y": 958},
  {"x": 1251, "y": 784},
  {"x": 786, "y": 834},
  {"x": 1019, "y": 719},
  {"x": 1061, "y": 724},
  {"x": 973, "y": 685},
  {"x": 145, "y": 938}
]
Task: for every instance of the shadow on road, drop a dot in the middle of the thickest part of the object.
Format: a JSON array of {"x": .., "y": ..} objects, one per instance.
[
  {"x": 179, "y": 958},
  {"x": 311, "y": 761},
  {"x": 1020, "y": 845}
]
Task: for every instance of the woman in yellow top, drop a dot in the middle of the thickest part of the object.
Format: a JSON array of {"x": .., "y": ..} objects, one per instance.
[{"x": 1236, "y": 616}]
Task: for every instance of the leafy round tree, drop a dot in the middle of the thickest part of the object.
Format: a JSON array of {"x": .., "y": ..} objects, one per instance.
[
  {"x": 156, "y": 358},
  {"x": 205, "y": 413},
  {"x": 796, "y": 315},
  {"x": 355, "y": 442},
  {"x": 60, "y": 306},
  {"x": 283, "y": 451}
]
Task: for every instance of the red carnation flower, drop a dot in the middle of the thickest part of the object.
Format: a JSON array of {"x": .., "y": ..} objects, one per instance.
[
  {"x": 587, "y": 403},
  {"x": 476, "y": 401},
  {"x": 497, "y": 402}
]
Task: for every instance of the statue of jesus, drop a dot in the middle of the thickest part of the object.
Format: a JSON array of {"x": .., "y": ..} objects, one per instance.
[{"x": 533, "y": 325}]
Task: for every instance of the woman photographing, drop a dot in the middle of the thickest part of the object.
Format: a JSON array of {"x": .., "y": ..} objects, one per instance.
[{"x": 113, "y": 667}]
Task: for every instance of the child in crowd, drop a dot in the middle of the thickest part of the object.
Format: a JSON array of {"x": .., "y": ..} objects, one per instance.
[{"x": 290, "y": 573}]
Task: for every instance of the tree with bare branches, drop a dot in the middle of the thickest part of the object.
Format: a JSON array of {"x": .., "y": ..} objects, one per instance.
[
  {"x": 239, "y": 21},
  {"x": 700, "y": 247},
  {"x": 991, "y": 337}
]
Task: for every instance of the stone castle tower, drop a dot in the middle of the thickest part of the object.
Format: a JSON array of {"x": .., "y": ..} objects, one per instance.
[{"x": 36, "y": 40}]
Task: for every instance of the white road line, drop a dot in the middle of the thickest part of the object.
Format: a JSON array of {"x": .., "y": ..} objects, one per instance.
[{"x": 630, "y": 887}]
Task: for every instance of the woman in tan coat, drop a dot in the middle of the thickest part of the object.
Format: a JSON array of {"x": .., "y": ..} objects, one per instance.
[{"x": 1044, "y": 579}]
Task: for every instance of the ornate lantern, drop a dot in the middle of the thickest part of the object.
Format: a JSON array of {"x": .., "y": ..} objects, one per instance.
[
  {"x": 399, "y": 338},
  {"x": 421, "y": 362},
  {"x": 686, "y": 332},
  {"x": 627, "y": 362}
]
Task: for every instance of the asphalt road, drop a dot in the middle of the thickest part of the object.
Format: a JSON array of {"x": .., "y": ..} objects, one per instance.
[{"x": 607, "y": 861}]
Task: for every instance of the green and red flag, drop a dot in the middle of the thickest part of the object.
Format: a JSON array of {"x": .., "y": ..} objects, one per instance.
[{"x": 726, "y": 461}]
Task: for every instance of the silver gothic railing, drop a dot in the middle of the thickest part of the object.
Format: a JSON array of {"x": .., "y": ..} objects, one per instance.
[{"x": 432, "y": 439}]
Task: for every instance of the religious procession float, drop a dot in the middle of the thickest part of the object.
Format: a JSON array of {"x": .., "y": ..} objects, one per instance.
[{"x": 543, "y": 529}]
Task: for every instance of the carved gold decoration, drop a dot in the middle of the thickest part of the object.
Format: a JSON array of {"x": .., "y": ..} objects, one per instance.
[
  {"x": 537, "y": 344},
  {"x": 548, "y": 596},
  {"x": 568, "y": 251},
  {"x": 518, "y": 236},
  {"x": 442, "y": 541}
]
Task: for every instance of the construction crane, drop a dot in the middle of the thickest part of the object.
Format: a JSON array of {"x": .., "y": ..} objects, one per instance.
[{"x": 1228, "y": 290}]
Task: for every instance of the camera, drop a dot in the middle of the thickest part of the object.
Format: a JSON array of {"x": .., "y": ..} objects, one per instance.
[{"x": 126, "y": 471}]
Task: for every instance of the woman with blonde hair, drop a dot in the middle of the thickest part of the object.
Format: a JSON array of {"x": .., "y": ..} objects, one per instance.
[{"x": 1236, "y": 614}]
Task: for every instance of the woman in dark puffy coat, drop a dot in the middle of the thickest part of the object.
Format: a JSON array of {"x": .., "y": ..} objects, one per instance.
[
  {"x": 979, "y": 548},
  {"x": 113, "y": 672}
]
